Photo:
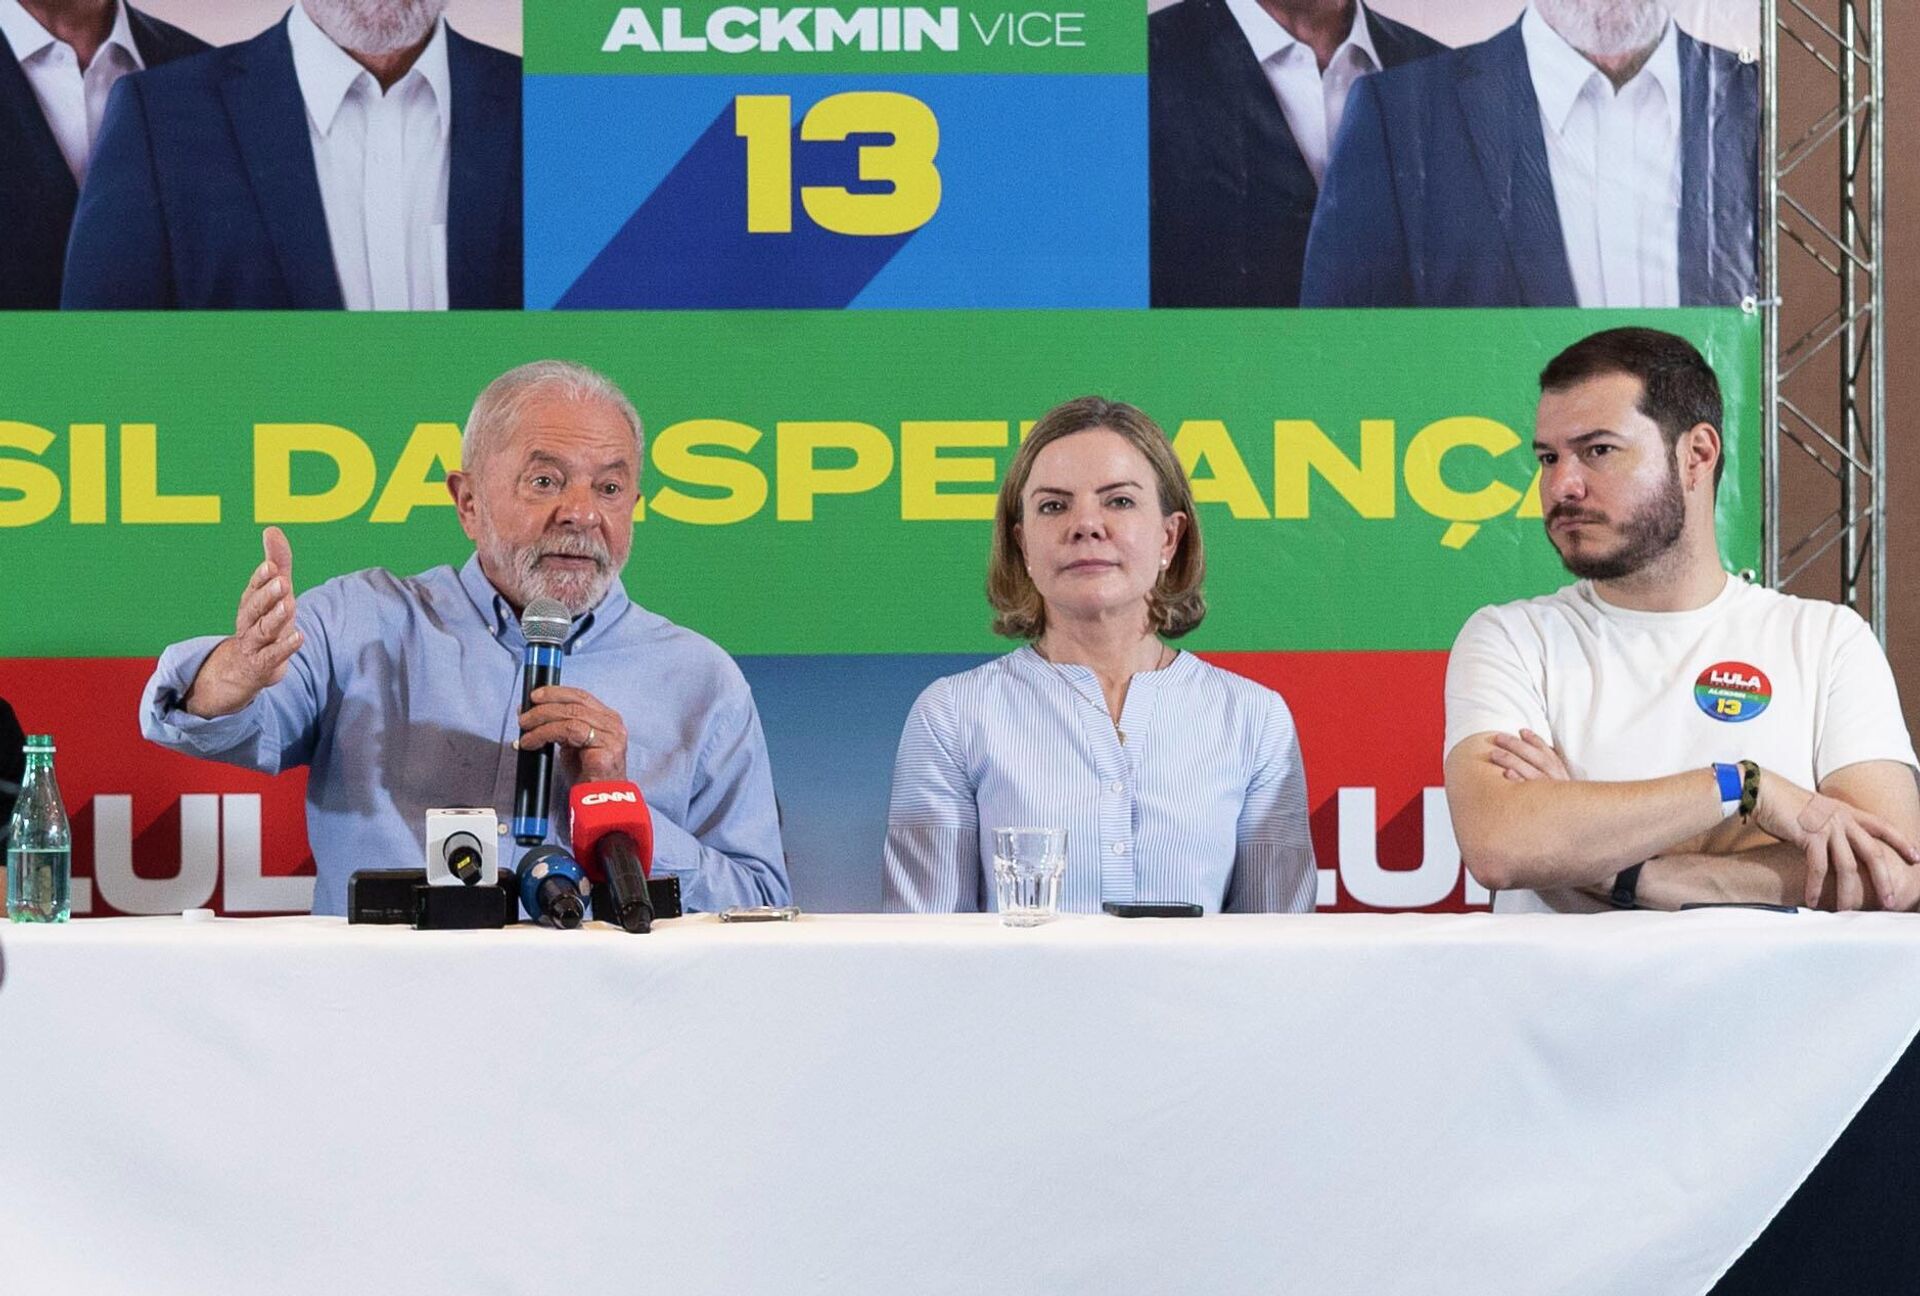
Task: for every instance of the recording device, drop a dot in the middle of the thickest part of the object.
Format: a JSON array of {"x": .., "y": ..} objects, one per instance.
[
  {"x": 462, "y": 846},
  {"x": 545, "y": 625},
  {"x": 552, "y": 887},
  {"x": 1152, "y": 909},
  {"x": 613, "y": 840},
  {"x": 394, "y": 897},
  {"x": 383, "y": 896},
  {"x": 404, "y": 897},
  {"x": 664, "y": 891},
  {"x": 484, "y": 904}
]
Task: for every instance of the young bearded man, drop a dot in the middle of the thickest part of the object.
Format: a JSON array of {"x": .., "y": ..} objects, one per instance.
[{"x": 1662, "y": 732}]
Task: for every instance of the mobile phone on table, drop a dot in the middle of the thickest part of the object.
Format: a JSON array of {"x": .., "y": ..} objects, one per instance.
[
  {"x": 1152, "y": 909},
  {"x": 760, "y": 913},
  {"x": 1739, "y": 904}
]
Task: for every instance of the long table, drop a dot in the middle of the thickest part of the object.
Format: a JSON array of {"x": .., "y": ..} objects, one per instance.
[{"x": 1364, "y": 1103}]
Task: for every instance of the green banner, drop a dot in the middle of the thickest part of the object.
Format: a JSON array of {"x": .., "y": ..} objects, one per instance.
[
  {"x": 816, "y": 482},
  {"x": 709, "y": 37}
]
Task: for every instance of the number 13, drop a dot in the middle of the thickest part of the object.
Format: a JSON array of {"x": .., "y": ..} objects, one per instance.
[{"x": 764, "y": 121}]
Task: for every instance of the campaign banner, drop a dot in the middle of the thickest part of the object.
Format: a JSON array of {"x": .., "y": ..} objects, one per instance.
[
  {"x": 834, "y": 191},
  {"x": 689, "y": 156},
  {"x": 1455, "y": 153},
  {"x": 1199, "y": 154},
  {"x": 712, "y": 36},
  {"x": 817, "y": 499}
]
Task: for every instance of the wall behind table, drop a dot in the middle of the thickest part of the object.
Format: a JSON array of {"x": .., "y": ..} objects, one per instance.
[{"x": 817, "y": 499}]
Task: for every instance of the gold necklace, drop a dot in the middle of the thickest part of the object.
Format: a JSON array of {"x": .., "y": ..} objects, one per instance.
[{"x": 1160, "y": 662}]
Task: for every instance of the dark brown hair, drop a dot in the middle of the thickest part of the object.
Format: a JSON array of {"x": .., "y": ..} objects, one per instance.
[
  {"x": 1175, "y": 605},
  {"x": 1678, "y": 389}
]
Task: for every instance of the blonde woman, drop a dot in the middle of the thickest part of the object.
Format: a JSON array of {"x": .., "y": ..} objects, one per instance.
[{"x": 1175, "y": 780}]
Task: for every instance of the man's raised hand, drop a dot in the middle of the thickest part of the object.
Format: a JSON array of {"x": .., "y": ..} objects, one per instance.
[{"x": 263, "y": 642}]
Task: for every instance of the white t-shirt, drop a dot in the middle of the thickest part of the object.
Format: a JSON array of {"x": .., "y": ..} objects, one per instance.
[{"x": 1796, "y": 685}]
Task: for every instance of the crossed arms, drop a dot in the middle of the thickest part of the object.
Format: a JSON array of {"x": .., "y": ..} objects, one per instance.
[{"x": 1522, "y": 820}]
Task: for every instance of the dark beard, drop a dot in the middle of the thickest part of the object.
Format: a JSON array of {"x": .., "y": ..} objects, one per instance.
[{"x": 1644, "y": 537}]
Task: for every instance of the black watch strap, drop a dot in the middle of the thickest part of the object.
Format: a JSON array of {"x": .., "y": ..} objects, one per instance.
[{"x": 1625, "y": 883}]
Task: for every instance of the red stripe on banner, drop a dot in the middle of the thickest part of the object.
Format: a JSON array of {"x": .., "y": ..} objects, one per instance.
[
  {"x": 154, "y": 831},
  {"x": 1371, "y": 726}
]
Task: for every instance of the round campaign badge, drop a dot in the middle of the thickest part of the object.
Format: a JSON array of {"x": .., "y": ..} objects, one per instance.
[{"x": 1733, "y": 691}]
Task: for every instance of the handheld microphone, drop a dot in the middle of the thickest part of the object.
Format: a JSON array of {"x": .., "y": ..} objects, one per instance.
[
  {"x": 552, "y": 887},
  {"x": 545, "y": 624},
  {"x": 613, "y": 840}
]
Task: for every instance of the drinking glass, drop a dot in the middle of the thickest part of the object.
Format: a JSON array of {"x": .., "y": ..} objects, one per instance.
[{"x": 1027, "y": 866}]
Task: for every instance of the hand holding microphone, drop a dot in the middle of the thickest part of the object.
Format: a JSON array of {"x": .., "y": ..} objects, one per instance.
[
  {"x": 553, "y": 714},
  {"x": 590, "y": 731},
  {"x": 613, "y": 840}
]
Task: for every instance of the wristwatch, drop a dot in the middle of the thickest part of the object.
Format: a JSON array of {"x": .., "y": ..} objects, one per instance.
[{"x": 1625, "y": 883}]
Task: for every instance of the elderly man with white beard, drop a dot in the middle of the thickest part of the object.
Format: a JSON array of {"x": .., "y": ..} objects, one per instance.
[
  {"x": 359, "y": 154},
  {"x": 400, "y": 693},
  {"x": 1591, "y": 154}
]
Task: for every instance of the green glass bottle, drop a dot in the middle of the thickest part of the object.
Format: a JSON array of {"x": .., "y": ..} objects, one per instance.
[{"x": 39, "y": 843}]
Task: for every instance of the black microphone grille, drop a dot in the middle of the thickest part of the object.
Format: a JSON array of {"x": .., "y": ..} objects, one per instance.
[{"x": 546, "y": 621}]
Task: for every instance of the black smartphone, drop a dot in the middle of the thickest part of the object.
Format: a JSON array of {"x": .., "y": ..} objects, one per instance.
[
  {"x": 1152, "y": 909},
  {"x": 1739, "y": 904}
]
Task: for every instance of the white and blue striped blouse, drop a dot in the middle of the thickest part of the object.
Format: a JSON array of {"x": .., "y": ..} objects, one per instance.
[{"x": 1204, "y": 800}]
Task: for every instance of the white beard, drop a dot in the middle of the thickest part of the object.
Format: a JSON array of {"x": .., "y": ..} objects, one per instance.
[
  {"x": 1606, "y": 28},
  {"x": 375, "y": 26},
  {"x": 579, "y": 592}
]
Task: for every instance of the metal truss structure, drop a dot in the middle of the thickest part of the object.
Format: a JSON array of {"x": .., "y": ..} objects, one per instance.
[{"x": 1824, "y": 218}]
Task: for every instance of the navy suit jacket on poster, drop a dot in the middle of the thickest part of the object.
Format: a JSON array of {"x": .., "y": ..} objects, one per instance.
[
  {"x": 37, "y": 192},
  {"x": 1232, "y": 197},
  {"x": 1439, "y": 192},
  {"x": 203, "y": 192}
]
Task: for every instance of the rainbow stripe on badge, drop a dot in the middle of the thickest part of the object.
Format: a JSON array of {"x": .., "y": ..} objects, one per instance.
[{"x": 1733, "y": 691}]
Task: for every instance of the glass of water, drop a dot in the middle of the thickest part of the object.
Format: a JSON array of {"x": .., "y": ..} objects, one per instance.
[{"x": 1027, "y": 864}]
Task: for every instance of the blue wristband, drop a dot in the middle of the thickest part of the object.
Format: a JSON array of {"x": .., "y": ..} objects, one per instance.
[{"x": 1729, "y": 778}]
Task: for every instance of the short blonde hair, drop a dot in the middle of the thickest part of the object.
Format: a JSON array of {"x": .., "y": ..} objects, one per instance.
[{"x": 1175, "y": 605}]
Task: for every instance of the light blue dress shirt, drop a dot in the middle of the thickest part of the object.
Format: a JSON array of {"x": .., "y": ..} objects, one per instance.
[
  {"x": 1204, "y": 800},
  {"x": 406, "y": 695}
]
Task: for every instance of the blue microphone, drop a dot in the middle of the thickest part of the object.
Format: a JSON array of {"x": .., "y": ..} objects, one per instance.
[
  {"x": 545, "y": 624},
  {"x": 552, "y": 887}
]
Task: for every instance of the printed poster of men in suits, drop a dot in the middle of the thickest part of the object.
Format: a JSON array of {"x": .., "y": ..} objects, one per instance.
[
  {"x": 1473, "y": 153},
  {"x": 331, "y": 154}
]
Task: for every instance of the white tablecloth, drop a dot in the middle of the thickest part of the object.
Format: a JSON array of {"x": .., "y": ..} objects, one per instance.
[{"x": 1365, "y": 1103}]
